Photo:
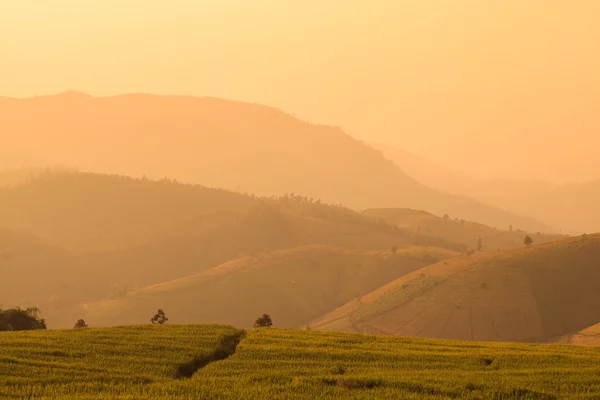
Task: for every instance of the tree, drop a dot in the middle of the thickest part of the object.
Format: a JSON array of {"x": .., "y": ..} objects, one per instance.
[
  {"x": 528, "y": 241},
  {"x": 159, "y": 318},
  {"x": 17, "y": 319},
  {"x": 80, "y": 324},
  {"x": 394, "y": 249},
  {"x": 264, "y": 321},
  {"x": 446, "y": 216},
  {"x": 480, "y": 244},
  {"x": 510, "y": 228}
]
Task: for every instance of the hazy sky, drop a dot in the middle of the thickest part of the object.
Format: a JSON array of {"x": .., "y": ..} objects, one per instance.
[{"x": 471, "y": 83}]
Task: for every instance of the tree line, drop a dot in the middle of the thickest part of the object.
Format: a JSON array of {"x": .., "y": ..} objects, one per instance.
[{"x": 19, "y": 319}]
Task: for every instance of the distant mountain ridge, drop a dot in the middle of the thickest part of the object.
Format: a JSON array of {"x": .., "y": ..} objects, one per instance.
[
  {"x": 570, "y": 208},
  {"x": 220, "y": 143}
]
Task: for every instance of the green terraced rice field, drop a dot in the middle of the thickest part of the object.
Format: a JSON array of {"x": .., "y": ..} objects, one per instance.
[{"x": 155, "y": 362}]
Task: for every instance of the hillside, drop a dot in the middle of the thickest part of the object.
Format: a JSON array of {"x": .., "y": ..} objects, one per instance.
[
  {"x": 535, "y": 294},
  {"x": 570, "y": 207},
  {"x": 224, "y": 144},
  {"x": 179, "y": 362},
  {"x": 92, "y": 211},
  {"x": 294, "y": 286},
  {"x": 586, "y": 337},
  {"x": 33, "y": 271},
  {"x": 428, "y": 229},
  {"x": 107, "y": 236}
]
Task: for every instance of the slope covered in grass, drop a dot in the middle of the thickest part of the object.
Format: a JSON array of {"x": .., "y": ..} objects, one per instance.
[
  {"x": 294, "y": 286},
  {"x": 100, "y": 363},
  {"x": 535, "y": 294},
  {"x": 143, "y": 363},
  {"x": 222, "y": 144}
]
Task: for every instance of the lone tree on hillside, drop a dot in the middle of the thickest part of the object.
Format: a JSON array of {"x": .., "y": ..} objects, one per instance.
[
  {"x": 264, "y": 321},
  {"x": 17, "y": 319},
  {"x": 80, "y": 324},
  {"x": 159, "y": 318},
  {"x": 480, "y": 244},
  {"x": 528, "y": 241}
]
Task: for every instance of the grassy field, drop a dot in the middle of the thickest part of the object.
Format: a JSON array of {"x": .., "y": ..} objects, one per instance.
[{"x": 156, "y": 362}]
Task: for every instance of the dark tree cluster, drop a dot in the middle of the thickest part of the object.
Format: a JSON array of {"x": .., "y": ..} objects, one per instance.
[
  {"x": 264, "y": 321},
  {"x": 17, "y": 319},
  {"x": 159, "y": 318},
  {"x": 80, "y": 324}
]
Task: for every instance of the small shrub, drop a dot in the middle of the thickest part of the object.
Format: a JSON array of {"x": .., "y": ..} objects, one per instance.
[
  {"x": 338, "y": 370},
  {"x": 486, "y": 361}
]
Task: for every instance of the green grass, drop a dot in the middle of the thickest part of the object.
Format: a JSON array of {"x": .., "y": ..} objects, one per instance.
[
  {"x": 101, "y": 363},
  {"x": 142, "y": 363}
]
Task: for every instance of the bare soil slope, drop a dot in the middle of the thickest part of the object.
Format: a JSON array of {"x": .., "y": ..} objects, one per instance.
[
  {"x": 533, "y": 294},
  {"x": 586, "y": 337}
]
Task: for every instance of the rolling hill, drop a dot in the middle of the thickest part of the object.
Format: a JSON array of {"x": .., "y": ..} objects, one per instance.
[
  {"x": 536, "y": 294},
  {"x": 428, "y": 229},
  {"x": 33, "y": 272},
  {"x": 294, "y": 286},
  {"x": 222, "y": 144},
  {"x": 569, "y": 207},
  {"x": 124, "y": 236},
  {"x": 84, "y": 211},
  {"x": 111, "y": 235}
]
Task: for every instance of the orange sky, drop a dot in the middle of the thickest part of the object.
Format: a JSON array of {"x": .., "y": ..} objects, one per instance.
[{"x": 471, "y": 83}]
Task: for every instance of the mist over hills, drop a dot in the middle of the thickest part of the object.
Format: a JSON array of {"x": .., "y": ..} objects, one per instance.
[
  {"x": 114, "y": 246},
  {"x": 569, "y": 207},
  {"x": 220, "y": 143},
  {"x": 98, "y": 238}
]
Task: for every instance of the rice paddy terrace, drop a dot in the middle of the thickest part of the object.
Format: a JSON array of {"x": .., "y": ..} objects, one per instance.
[{"x": 221, "y": 362}]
